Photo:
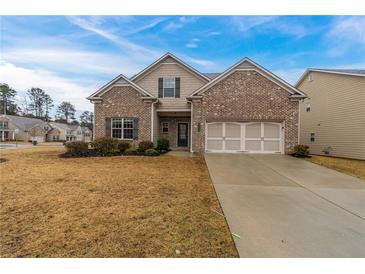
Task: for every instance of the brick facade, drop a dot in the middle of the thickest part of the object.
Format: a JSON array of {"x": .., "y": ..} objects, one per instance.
[
  {"x": 123, "y": 101},
  {"x": 245, "y": 96}
]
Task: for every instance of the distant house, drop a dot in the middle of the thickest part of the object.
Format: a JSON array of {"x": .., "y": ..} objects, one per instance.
[
  {"x": 66, "y": 132},
  {"x": 332, "y": 118},
  {"x": 29, "y": 129},
  {"x": 22, "y": 128}
]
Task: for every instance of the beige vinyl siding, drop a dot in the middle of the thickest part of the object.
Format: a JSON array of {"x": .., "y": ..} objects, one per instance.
[
  {"x": 189, "y": 82},
  {"x": 337, "y": 115}
]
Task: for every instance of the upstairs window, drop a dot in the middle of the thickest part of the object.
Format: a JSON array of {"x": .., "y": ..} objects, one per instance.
[
  {"x": 3, "y": 124},
  {"x": 168, "y": 87},
  {"x": 122, "y": 128},
  {"x": 310, "y": 77}
]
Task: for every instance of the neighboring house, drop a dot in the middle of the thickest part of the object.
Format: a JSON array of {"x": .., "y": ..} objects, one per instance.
[
  {"x": 244, "y": 109},
  {"x": 22, "y": 128},
  {"x": 67, "y": 132},
  {"x": 332, "y": 118},
  {"x": 29, "y": 129}
]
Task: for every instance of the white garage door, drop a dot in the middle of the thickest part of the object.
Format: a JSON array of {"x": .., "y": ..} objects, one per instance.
[{"x": 255, "y": 137}]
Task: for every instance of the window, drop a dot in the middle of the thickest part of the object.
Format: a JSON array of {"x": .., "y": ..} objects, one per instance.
[
  {"x": 168, "y": 87},
  {"x": 312, "y": 137},
  {"x": 310, "y": 77},
  {"x": 308, "y": 107},
  {"x": 122, "y": 128},
  {"x": 165, "y": 127},
  {"x": 3, "y": 124}
]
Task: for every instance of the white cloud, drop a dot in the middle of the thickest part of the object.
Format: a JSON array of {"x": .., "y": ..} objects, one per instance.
[
  {"x": 73, "y": 60},
  {"x": 201, "y": 62},
  {"x": 346, "y": 32},
  {"x": 214, "y": 33},
  {"x": 150, "y": 25},
  {"x": 59, "y": 88},
  {"x": 191, "y": 45},
  {"x": 245, "y": 23},
  {"x": 179, "y": 23},
  {"x": 92, "y": 25},
  {"x": 272, "y": 23}
]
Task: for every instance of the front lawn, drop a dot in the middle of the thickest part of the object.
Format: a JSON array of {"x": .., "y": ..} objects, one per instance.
[
  {"x": 108, "y": 207},
  {"x": 351, "y": 167}
]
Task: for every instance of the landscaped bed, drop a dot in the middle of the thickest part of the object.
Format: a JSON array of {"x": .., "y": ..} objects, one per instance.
[
  {"x": 351, "y": 167},
  {"x": 120, "y": 206}
]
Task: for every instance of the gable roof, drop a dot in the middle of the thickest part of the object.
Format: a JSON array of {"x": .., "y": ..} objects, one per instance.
[
  {"x": 170, "y": 55},
  {"x": 24, "y": 123},
  {"x": 212, "y": 75},
  {"x": 248, "y": 64},
  {"x": 120, "y": 80},
  {"x": 349, "y": 72}
]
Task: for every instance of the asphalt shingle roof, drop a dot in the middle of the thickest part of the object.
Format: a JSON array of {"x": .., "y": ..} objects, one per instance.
[{"x": 25, "y": 123}]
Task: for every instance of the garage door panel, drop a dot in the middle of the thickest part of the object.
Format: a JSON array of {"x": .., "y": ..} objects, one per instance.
[
  {"x": 253, "y": 130},
  {"x": 214, "y": 145},
  {"x": 255, "y": 137},
  {"x": 215, "y": 130},
  {"x": 271, "y": 145},
  {"x": 253, "y": 145},
  {"x": 271, "y": 130},
  {"x": 234, "y": 145},
  {"x": 233, "y": 130}
]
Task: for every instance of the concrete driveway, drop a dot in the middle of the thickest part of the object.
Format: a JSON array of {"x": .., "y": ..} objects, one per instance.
[{"x": 287, "y": 207}]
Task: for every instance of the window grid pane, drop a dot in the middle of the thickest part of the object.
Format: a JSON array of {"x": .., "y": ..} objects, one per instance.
[{"x": 122, "y": 128}]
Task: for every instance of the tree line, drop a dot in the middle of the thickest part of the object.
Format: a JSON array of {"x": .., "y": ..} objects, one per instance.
[{"x": 39, "y": 104}]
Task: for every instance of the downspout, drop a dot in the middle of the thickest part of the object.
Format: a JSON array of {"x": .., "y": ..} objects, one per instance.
[
  {"x": 152, "y": 119},
  {"x": 191, "y": 126}
]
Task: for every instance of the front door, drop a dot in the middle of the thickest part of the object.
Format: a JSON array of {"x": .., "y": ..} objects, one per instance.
[{"x": 182, "y": 134}]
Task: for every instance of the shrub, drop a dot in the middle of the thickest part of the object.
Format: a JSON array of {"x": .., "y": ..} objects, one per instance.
[
  {"x": 163, "y": 144},
  {"x": 77, "y": 146},
  {"x": 34, "y": 142},
  {"x": 123, "y": 146},
  {"x": 151, "y": 152},
  {"x": 144, "y": 145},
  {"x": 301, "y": 151},
  {"x": 105, "y": 146},
  {"x": 131, "y": 151}
]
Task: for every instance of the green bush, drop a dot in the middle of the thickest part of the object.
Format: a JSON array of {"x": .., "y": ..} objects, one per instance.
[
  {"x": 301, "y": 151},
  {"x": 151, "y": 152},
  {"x": 131, "y": 151},
  {"x": 123, "y": 146},
  {"x": 163, "y": 144},
  {"x": 76, "y": 146},
  {"x": 105, "y": 145},
  {"x": 144, "y": 145}
]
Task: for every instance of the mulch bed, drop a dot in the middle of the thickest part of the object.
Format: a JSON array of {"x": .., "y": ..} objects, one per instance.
[{"x": 2, "y": 160}]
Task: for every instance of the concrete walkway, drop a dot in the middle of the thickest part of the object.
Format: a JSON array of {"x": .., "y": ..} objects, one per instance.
[{"x": 286, "y": 207}]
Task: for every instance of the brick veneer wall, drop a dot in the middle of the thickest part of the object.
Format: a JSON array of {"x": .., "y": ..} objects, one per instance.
[
  {"x": 245, "y": 96},
  {"x": 123, "y": 102}
]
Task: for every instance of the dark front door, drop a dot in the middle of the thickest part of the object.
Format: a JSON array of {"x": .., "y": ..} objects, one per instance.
[{"x": 182, "y": 134}]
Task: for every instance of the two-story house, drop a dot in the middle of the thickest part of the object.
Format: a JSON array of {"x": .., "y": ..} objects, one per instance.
[{"x": 246, "y": 108}]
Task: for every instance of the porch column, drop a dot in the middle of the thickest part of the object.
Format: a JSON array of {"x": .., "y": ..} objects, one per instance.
[{"x": 2, "y": 136}]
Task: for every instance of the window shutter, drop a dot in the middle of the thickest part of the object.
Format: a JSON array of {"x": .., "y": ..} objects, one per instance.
[
  {"x": 108, "y": 127},
  {"x": 160, "y": 87},
  {"x": 177, "y": 87},
  {"x": 135, "y": 128}
]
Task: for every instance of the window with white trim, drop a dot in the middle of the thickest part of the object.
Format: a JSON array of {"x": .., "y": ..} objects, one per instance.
[
  {"x": 122, "y": 128},
  {"x": 168, "y": 87},
  {"x": 3, "y": 124},
  {"x": 165, "y": 127}
]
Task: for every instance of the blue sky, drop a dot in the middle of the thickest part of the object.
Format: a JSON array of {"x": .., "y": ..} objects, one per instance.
[{"x": 71, "y": 56}]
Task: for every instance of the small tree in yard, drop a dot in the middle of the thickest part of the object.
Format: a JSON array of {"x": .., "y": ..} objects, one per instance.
[
  {"x": 66, "y": 111},
  {"x": 86, "y": 119}
]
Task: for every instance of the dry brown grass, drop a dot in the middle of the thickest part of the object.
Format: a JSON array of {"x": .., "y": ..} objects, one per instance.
[
  {"x": 351, "y": 167},
  {"x": 108, "y": 207}
]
